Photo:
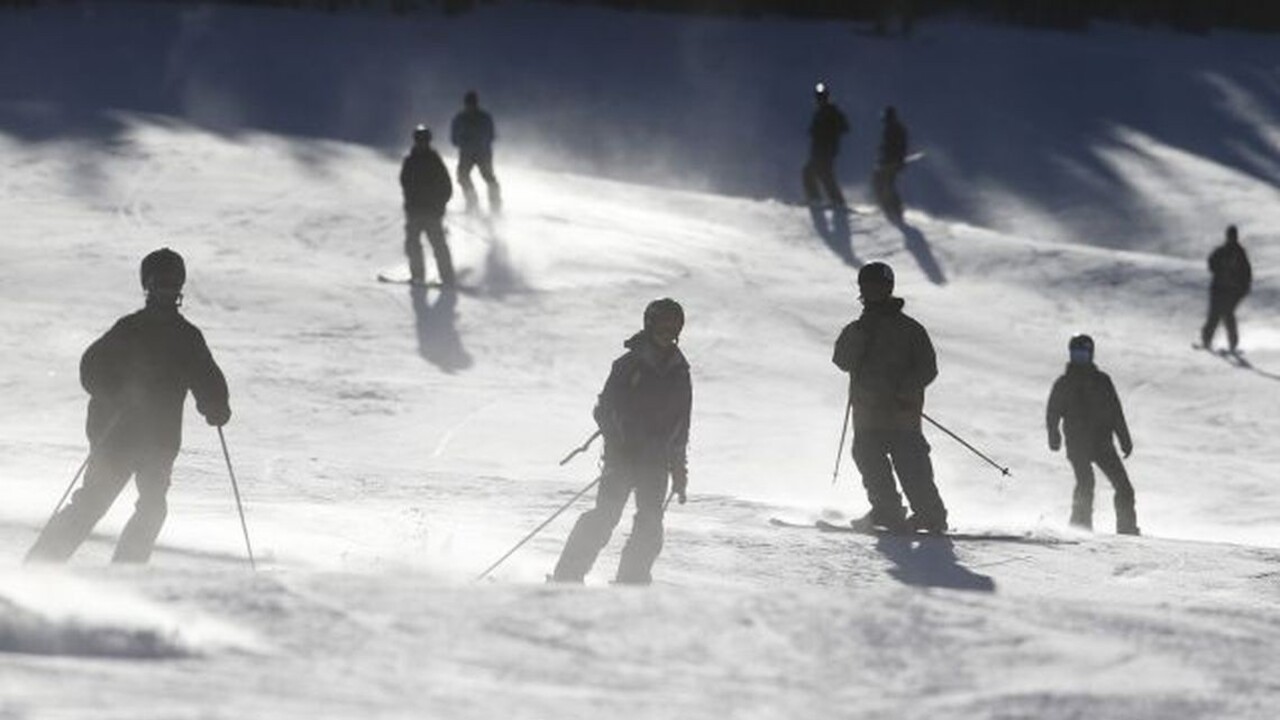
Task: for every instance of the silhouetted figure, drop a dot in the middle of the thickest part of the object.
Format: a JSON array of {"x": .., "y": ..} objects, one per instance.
[
  {"x": 473, "y": 134},
  {"x": 890, "y": 161},
  {"x": 825, "y": 129},
  {"x": 137, "y": 376},
  {"x": 643, "y": 413},
  {"x": 890, "y": 361},
  {"x": 427, "y": 189},
  {"x": 1232, "y": 280},
  {"x": 1084, "y": 401}
]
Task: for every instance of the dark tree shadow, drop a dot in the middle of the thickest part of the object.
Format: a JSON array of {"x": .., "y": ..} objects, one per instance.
[
  {"x": 436, "y": 324},
  {"x": 836, "y": 233},
  {"x": 930, "y": 562},
  {"x": 918, "y": 246}
]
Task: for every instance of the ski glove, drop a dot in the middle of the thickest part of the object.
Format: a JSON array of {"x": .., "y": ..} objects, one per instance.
[
  {"x": 1126, "y": 449},
  {"x": 218, "y": 417},
  {"x": 1055, "y": 440},
  {"x": 680, "y": 484}
]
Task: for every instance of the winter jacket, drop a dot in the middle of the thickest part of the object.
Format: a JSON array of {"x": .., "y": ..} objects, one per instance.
[
  {"x": 425, "y": 181},
  {"x": 472, "y": 132},
  {"x": 1232, "y": 273},
  {"x": 1084, "y": 400},
  {"x": 643, "y": 410},
  {"x": 893, "y": 143},
  {"x": 138, "y": 375},
  {"x": 825, "y": 129},
  {"x": 890, "y": 361}
]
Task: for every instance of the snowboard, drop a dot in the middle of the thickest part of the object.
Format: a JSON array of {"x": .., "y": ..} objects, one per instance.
[
  {"x": 850, "y": 528},
  {"x": 402, "y": 278}
]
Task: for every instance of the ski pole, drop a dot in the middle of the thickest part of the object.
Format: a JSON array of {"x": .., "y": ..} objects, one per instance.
[
  {"x": 1003, "y": 470},
  {"x": 538, "y": 529},
  {"x": 844, "y": 428},
  {"x": 582, "y": 448},
  {"x": 235, "y": 487}
]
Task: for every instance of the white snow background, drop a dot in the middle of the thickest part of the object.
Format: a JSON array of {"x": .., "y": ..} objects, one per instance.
[{"x": 390, "y": 445}]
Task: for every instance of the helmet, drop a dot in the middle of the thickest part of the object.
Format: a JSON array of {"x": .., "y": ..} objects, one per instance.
[
  {"x": 1081, "y": 349},
  {"x": 876, "y": 274},
  {"x": 1232, "y": 233},
  {"x": 470, "y": 99},
  {"x": 163, "y": 271},
  {"x": 889, "y": 113},
  {"x": 422, "y": 133},
  {"x": 821, "y": 91},
  {"x": 663, "y": 309}
]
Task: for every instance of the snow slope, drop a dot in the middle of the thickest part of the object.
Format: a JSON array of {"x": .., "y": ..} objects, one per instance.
[{"x": 391, "y": 443}]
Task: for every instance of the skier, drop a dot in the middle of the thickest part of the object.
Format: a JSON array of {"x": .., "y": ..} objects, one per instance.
[
  {"x": 643, "y": 413},
  {"x": 890, "y": 361},
  {"x": 1232, "y": 279},
  {"x": 825, "y": 129},
  {"x": 1084, "y": 401},
  {"x": 473, "y": 134},
  {"x": 892, "y": 159},
  {"x": 137, "y": 376},
  {"x": 427, "y": 189}
]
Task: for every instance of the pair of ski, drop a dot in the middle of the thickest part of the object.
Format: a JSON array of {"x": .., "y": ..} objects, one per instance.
[
  {"x": 858, "y": 528},
  {"x": 1235, "y": 357}
]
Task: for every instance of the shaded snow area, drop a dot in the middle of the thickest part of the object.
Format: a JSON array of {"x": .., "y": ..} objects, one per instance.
[{"x": 390, "y": 443}]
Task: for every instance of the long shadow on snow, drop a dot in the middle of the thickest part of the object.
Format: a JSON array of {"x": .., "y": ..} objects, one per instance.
[
  {"x": 918, "y": 246},
  {"x": 436, "y": 326},
  {"x": 930, "y": 562},
  {"x": 835, "y": 233}
]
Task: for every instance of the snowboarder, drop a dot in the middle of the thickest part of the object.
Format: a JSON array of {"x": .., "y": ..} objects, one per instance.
[
  {"x": 1085, "y": 403},
  {"x": 825, "y": 129},
  {"x": 891, "y": 161},
  {"x": 137, "y": 376},
  {"x": 643, "y": 413},
  {"x": 890, "y": 361},
  {"x": 427, "y": 189},
  {"x": 473, "y": 134},
  {"x": 1232, "y": 279}
]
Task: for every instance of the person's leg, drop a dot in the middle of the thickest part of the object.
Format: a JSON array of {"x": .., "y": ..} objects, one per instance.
[
  {"x": 910, "y": 452},
  {"x": 1229, "y": 320},
  {"x": 104, "y": 478},
  {"x": 645, "y": 541},
  {"x": 465, "y": 162},
  {"x": 413, "y": 245},
  {"x": 871, "y": 455},
  {"x": 809, "y": 177},
  {"x": 139, "y": 535},
  {"x": 1126, "y": 513},
  {"x": 1211, "y": 322},
  {"x": 593, "y": 529},
  {"x": 440, "y": 248},
  {"x": 892, "y": 201},
  {"x": 491, "y": 182},
  {"x": 827, "y": 176},
  {"x": 1082, "y": 498}
]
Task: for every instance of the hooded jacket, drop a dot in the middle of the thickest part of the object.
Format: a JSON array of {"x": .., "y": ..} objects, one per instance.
[
  {"x": 425, "y": 181},
  {"x": 1232, "y": 273},
  {"x": 138, "y": 375},
  {"x": 1084, "y": 400},
  {"x": 643, "y": 410},
  {"x": 472, "y": 132},
  {"x": 890, "y": 361}
]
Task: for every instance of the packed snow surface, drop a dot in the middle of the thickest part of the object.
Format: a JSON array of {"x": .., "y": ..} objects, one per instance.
[{"x": 390, "y": 442}]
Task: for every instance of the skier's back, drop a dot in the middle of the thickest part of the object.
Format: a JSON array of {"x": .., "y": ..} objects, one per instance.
[
  {"x": 426, "y": 186},
  {"x": 472, "y": 132},
  {"x": 825, "y": 129},
  {"x": 1232, "y": 281}
]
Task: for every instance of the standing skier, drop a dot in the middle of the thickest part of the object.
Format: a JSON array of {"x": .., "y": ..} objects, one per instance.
[
  {"x": 1232, "y": 279},
  {"x": 137, "y": 376},
  {"x": 1084, "y": 401},
  {"x": 891, "y": 160},
  {"x": 473, "y": 134},
  {"x": 825, "y": 129},
  {"x": 427, "y": 189},
  {"x": 643, "y": 413},
  {"x": 890, "y": 361}
]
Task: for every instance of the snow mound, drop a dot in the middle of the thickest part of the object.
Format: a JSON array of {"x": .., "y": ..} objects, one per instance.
[{"x": 50, "y": 613}]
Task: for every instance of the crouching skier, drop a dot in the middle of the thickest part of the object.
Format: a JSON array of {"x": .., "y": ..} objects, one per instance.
[
  {"x": 1085, "y": 403},
  {"x": 643, "y": 413},
  {"x": 137, "y": 376}
]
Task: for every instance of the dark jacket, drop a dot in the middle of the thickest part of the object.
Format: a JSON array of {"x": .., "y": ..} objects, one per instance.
[
  {"x": 825, "y": 129},
  {"x": 425, "y": 181},
  {"x": 472, "y": 132},
  {"x": 890, "y": 361},
  {"x": 1232, "y": 273},
  {"x": 643, "y": 410},
  {"x": 1084, "y": 400},
  {"x": 893, "y": 143},
  {"x": 140, "y": 371}
]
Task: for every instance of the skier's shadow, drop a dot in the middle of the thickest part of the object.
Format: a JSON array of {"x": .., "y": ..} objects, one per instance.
[
  {"x": 930, "y": 562},
  {"x": 436, "y": 325},
  {"x": 916, "y": 244},
  {"x": 836, "y": 234}
]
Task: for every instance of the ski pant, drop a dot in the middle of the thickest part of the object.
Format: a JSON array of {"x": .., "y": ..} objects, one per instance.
[
  {"x": 108, "y": 471},
  {"x": 878, "y": 453},
  {"x": 820, "y": 171},
  {"x": 594, "y": 527},
  {"x": 1222, "y": 307},
  {"x": 417, "y": 222},
  {"x": 1082, "y": 502},
  {"x": 884, "y": 183},
  {"x": 484, "y": 161}
]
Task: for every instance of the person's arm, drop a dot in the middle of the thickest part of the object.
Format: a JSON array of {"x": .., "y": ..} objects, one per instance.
[
  {"x": 678, "y": 462},
  {"x": 207, "y": 383},
  {"x": 924, "y": 365},
  {"x": 849, "y": 347},
  {"x": 1119, "y": 425},
  {"x": 101, "y": 365},
  {"x": 1053, "y": 415}
]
